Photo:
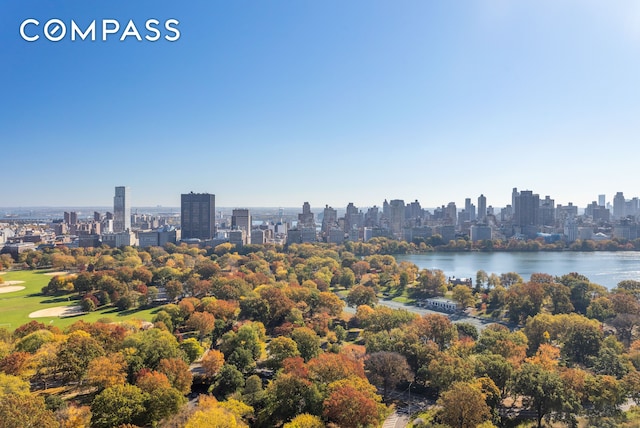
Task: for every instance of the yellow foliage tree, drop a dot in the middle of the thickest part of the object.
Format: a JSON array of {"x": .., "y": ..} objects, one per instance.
[
  {"x": 104, "y": 372},
  {"x": 305, "y": 420}
]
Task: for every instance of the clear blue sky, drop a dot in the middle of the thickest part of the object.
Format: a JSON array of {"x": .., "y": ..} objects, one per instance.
[{"x": 273, "y": 103}]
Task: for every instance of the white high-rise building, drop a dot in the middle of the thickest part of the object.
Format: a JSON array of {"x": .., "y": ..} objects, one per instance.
[{"x": 122, "y": 209}]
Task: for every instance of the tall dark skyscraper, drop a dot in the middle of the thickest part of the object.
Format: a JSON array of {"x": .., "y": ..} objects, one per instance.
[
  {"x": 526, "y": 209},
  {"x": 197, "y": 215},
  {"x": 122, "y": 209}
]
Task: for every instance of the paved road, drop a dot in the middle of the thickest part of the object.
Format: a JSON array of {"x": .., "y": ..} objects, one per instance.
[
  {"x": 479, "y": 323},
  {"x": 396, "y": 421}
]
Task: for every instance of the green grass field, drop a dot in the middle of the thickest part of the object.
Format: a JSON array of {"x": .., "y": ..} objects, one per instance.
[{"x": 16, "y": 306}]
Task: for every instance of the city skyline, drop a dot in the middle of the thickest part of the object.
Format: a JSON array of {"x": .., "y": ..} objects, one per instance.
[
  {"x": 273, "y": 104},
  {"x": 458, "y": 201}
]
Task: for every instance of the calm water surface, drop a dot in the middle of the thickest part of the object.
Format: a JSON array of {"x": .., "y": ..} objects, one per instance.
[{"x": 601, "y": 267}]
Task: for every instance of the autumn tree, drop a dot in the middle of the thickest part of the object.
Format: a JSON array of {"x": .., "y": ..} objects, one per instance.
[
  {"x": 25, "y": 410},
  {"x": 330, "y": 367},
  {"x": 106, "y": 371},
  {"x": 202, "y": 322},
  {"x": 387, "y": 369},
  {"x": 431, "y": 283},
  {"x": 161, "y": 399},
  {"x": 463, "y": 295},
  {"x": 435, "y": 327},
  {"x": 497, "y": 339},
  {"x": 12, "y": 385},
  {"x": 445, "y": 369},
  {"x": 305, "y": 420},
  {"x": 361, "y": 295},
  {"x": 352, "y": 402},
  {"x": 524, "y": 300},
  {"x": 463, "y": 406},
  {"x": 178, "y": 373},
  {"x": 212, "y": 362}
]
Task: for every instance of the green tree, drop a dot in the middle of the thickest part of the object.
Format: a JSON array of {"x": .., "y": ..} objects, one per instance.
[
  {"x": 288, "y": 396},
  {"x": 560, "y": 296},
  {"x": 445, "y": 369},
  {"x": 347, "y": 278},
  {"x": 463, "y": 295},
  {"x": 481, "y": 279},
  {"x": 543, "y": 391},
  {"x": 582, "y": 339},
  {"x": 250, "y": 337},
  {"x": 253, "y": 393},
  {"x": 281, "y": 348},
  {"x": 75, "y": 354},
  {"x": 153, "y": 345},
  {"x": 192, "y": 349},
  {"x": 307, "y": 341},
  {"x": 118, "y": 405},
  {"x": 606, "y": 394},
  {"x": 228, "y": 381},
  {"x": 466, "y": 329},
  {"x": 161, "y": 399},
  {"x": 496, "y": 368}
]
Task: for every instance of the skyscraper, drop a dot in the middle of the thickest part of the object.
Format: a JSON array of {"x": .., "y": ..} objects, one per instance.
[
  {"x": 241, "y": 220},
  {"x": 526, "y": 208},
  {"x": 306, "y": 219},
  {"x": 547, "y": 216},
  {"x": 619, "y": 205},
  {"x": 329, "y": 219},
  {"x": 602, "y": 200},
  {"x": 122, "y": 209},
  {"x": 396, "y": 216},
  {"x": 197, "y": 215},
  {"x": 482, "y": 208}
]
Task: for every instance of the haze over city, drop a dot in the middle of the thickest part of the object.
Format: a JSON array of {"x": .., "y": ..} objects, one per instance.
[{"x": 274, "y": 104}]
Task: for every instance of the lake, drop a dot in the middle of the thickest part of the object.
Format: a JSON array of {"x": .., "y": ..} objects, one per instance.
[{"x": 602, "y": 267}]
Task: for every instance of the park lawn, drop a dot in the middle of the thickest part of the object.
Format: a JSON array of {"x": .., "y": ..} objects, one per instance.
[{"x": 16, "y": 306}]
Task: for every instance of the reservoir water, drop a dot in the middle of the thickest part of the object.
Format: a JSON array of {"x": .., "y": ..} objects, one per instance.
[{"x": 602, "y": 267}]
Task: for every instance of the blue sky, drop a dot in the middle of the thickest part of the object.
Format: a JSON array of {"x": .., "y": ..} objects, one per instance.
[{"x": 273, "y": 103}]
